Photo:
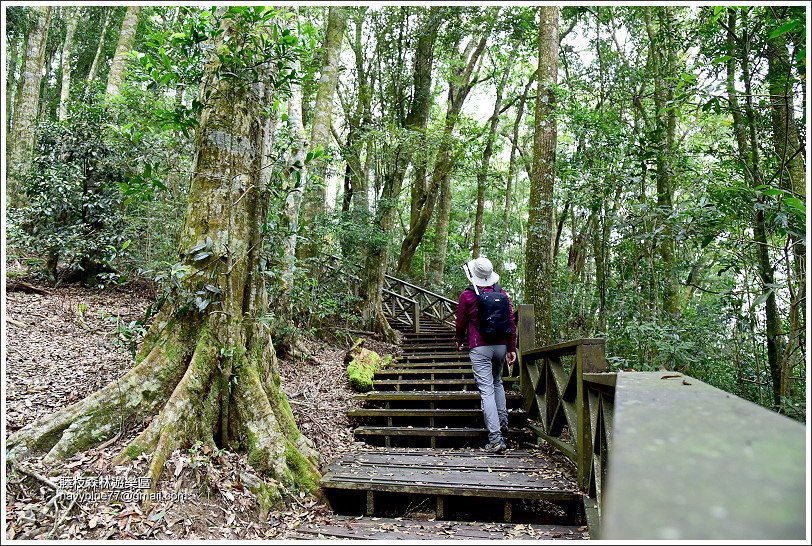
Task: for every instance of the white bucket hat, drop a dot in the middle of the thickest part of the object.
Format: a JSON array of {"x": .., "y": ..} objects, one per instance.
[{"x": 480, "y": 272}]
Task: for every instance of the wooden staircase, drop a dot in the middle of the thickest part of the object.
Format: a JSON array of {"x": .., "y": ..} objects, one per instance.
[
  {"x": 428, "y": 398},
  {"x": 424, "y": 425}
]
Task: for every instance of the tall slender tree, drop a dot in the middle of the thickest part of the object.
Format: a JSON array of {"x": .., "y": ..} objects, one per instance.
[
  {"x": 538, "y": 253},
  {"x": 126, "y": 42},
  {"x": 316, "y": 191},
  {"x": 94, "y": 66},
  {"x": 459, "y": 86},
  {"x": 72, "y": 16},
  {"x": 21, "y": 142},
  {"x": 484, "y": 167}
]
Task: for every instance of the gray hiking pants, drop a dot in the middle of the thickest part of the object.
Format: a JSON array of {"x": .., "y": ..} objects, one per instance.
[{"x": 487, "y": 362}]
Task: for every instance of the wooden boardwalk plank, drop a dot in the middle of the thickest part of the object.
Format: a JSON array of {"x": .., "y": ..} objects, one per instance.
[
  {"x": 419, "y": 431},
  {"x": 429, "y": 382},
  {"x": 454, "y": 473},
  {"x": 366, "y": 528},
  {"x": 438, "y": 412},
  {"x": 428, "y": 395}
]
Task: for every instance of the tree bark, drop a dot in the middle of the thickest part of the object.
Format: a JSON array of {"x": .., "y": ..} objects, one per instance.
[
  {"x": 209, "y": 372},
  {"x": 315, "y": 193},
  {"x": 538, "y": 253},
  {"x": 21, "y": 143},
  {"x": 72, "y": 19},
  {"x": 94, "y": 67},
  {"x": 126, "y": 42}
]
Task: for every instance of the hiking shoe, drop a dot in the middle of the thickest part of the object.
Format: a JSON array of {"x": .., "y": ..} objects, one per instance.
[{"x": 495, "y": 447}]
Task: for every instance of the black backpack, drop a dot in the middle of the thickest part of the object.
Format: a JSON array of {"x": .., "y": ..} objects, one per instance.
[{"x": 494, "y": 314}]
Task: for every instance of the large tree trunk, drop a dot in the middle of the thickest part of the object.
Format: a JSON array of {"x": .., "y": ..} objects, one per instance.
[
  {"x": 315, "y": 193},
  {"x": 126, "y": 42},
  {"x": 94, "y": 67},
  {"x": 208, "y": 371},
  {"x": 21, "y": 141},
  {"x": 538, "y": 263},
  {"x": 72, "y": 18}
]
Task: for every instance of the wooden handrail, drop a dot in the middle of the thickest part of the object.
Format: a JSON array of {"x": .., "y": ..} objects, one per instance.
[
  {"x": 414, "y": 316},
  {"x": 565, "y": 348},
  {"x": 399, "y": 296},
  {"x": 423, "y": 290},
  {"x": 573, "y": 406},
  {"x": 661, "y": 455},
  {"x": 692, "y": 462}
]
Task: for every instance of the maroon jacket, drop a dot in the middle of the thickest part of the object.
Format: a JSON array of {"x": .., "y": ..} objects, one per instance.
[{"x": 468, "y": 321}]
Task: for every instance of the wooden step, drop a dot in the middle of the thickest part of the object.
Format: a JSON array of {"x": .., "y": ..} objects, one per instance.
[
  {"x": 420, "y": 371},
  {"x": 429, "y": 364},
  {"x": 438, "y": 412},
  {"x": 465, "y": 480},
  {"x": 439, "y": 417},
  {"x": 430, "y": 396},
  {"x": 399, "y": 528},
  {"x": 435, "y": 357},
  {"x": 435, "y": 348},
  {"x": 473, "y": 435},
  {"x": 411, "y": 336},
  {"x": 432, "y": 384},
  {"x": 416, "y": 372},
  {"x": 420, "y": 431}
]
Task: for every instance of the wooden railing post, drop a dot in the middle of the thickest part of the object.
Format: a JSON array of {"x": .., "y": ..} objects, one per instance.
[
  {"x": 526, "y": 340},
  {"x": 416, "y": 314},
  {"x": 589, "y": 358}
]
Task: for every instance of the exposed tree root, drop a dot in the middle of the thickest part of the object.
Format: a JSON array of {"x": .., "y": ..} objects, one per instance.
[{"x": 232, "y": 401}]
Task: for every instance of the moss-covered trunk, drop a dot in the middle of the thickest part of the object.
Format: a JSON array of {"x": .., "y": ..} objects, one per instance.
[{"x": 207, "y": 366}]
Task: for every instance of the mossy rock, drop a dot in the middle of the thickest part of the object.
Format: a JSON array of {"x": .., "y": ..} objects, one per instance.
[{"x": 362, "y": 366}]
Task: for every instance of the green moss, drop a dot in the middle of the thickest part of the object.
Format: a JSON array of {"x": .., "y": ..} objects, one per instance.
[
  {"x": 304, "y": 474},
  {"x": 256, "y": 458},
  {"x": 134, "y": 450},
  {"x": 362, "y": 368},
  {"x": 267, "y": 495}
]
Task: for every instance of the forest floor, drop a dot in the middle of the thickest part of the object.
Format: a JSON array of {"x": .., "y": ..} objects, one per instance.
[{"x": 63, "y": 346}]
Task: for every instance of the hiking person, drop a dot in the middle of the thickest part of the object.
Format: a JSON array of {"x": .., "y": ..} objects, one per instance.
[{"x": 485, "y": 317}]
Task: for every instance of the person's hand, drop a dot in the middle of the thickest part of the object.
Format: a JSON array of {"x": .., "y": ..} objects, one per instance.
[{"x": 511, "y": 357}]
